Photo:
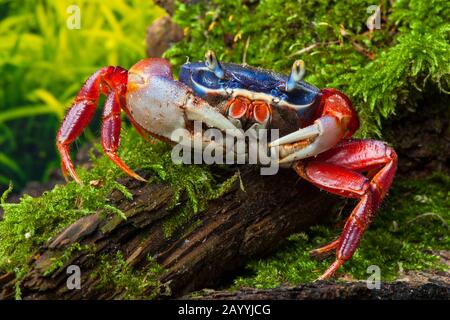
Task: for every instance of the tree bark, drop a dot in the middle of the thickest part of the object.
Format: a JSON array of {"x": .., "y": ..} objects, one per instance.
[
  {"x": 233, "y": 229},
  {"x": 432, "y": 286}
]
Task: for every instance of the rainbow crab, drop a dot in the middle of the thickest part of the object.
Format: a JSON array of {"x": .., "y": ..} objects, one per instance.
[{"x": 316, "y": 126}]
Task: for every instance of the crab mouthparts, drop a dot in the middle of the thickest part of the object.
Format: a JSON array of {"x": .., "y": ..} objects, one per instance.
[{"x": 198, "y": 110}]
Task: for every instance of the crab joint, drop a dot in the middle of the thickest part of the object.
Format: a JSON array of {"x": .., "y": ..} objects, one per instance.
[
  {"x": 213, "y": 64},
  {"x": 297, "y": 73}
]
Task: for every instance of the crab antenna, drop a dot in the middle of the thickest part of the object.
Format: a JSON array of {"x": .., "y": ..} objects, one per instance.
[
  {"x": 213, "y": 64},
  {"x": 297, "y": 73}
]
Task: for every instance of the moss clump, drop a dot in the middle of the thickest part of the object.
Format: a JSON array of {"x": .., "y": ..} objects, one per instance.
[
  {"x": 116, "y": 275},
  {"x": 413, "y": 223},
  {"x": 193, "y": 187},
  {"x": 34, "y": 221},
  {"x": 381, "y": 71},
  {"x": 61, "y": 260}
]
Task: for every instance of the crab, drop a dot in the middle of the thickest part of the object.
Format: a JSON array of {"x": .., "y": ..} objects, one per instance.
[{"x": 315, "y": 125}]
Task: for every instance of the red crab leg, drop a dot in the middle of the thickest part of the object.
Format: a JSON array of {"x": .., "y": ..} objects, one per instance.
[
  {"x": 108, "y": 80},
  {"x": 111, "y": 126},
  {"x": 338, "y": 171},
  {"x": 326, "y": 248}
]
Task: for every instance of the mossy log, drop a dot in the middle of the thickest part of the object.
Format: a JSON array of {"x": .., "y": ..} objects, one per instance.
[
  {"x": 245, "y": 223},
  {"x": 423, "y": 286}
]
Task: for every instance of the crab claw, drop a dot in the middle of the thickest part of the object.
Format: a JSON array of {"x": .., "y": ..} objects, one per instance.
[
  {"x": 163, "y": 106},
  {"x": 305, "y": 133},
  {"x": 338, "y": 120},
  {"x": 326, "y": 131}
]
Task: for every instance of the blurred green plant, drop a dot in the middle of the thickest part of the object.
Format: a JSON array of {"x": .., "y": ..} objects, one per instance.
[{"x": 43, "y": 64}]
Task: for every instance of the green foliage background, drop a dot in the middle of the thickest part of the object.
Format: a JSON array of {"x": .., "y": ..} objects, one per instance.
[{"x": 43, "y": 64}]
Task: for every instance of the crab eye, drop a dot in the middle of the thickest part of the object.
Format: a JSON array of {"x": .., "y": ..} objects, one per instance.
[
  {"x": 297, "y": 73},
  {"x": 261, "y": 112},
  {"x": 213, "y": 64},
  {"x": 237, "y": 109}
]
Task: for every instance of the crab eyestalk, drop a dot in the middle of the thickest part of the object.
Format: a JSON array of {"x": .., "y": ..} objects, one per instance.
[
  {"x": 213, "y": 64},
  {"x": 297, "y": 74}
]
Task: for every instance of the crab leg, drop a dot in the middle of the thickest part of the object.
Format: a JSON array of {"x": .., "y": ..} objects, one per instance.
[
  {"x": 325, "y": 249},
  {"x": 111, "y": 81},
  {"x": 111, "y": 126},
  {"x": 339, "y": 171}
]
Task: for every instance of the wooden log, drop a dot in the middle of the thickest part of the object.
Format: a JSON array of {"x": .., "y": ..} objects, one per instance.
[
  {"x": 241, "y": 225},
  {"x": 354, "y": 290},
  {"x": 413, "y": 285}
]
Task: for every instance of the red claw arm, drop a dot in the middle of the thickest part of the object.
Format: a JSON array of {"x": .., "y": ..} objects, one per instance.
[
  {"x": 337, "y": 105},
  {"x": 335, "y": 120},
  {"x": 111, "y": 81}
]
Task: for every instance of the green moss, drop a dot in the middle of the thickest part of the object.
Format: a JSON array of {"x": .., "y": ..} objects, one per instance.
[
  {"x": 195, "y": 185},
  {"x": 61, "y": 260},
  {"x": 116, "y": 275},
  {"x": 34, "y": 221},
  {"x": 412, "y": 224},
  {"x": 381, "y": 71},
  {"x": 395, "y": 81}
]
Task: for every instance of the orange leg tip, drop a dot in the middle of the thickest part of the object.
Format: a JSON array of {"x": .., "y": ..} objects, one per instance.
[
  {"x": 133, "y": 174},
  {"x": 67, "y": 167},
  {"x": 325, "y": 249},
  {"x": 331, "y": 270},
  {"x": 71, "y": 174},
  {"x": 77, "y": 180},
  {"x": 138, "y": 177},
  {"x": 115, "y": 158}
]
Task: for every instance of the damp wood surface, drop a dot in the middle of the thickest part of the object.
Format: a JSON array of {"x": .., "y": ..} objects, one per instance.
[
  {"x": 251, "y": 220},
  {"x": 414, "y": 285}
]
